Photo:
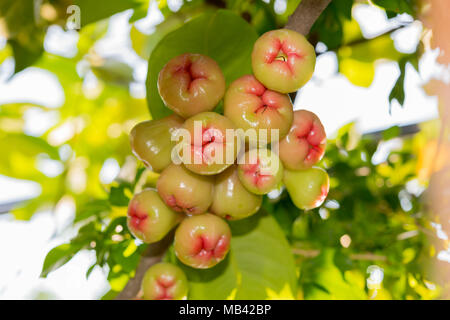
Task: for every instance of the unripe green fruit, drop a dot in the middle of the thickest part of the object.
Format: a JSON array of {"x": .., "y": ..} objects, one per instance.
[
  {"x": 208, "y": 150},
  {"x": 251, "y": 106},
  {"x": 185, "y": 191},
  {"x": 164, "y": 281},
  {"x": 191, "y": 83},
  {"x": 202, "y": 241},
  {"x": 260, "y": 171},
  {"x": 305, "y": 143},
  {"x": 308, "y": 188},
  {"x": 151, "y": 141},
  {"x": 231, "y": 199},
  {"x": 149, "y": 219},
  {"x": 283, "y": 60}
]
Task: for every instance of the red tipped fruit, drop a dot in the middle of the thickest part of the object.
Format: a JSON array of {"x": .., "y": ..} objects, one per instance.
[
  {"x": 250, "y": 105},
  {"x": 231, "y": 199},
  {"x": 211, "y": 144},
  {"x": 260, "y": 171},
  {"x": 149, "y": 219},
  {"x": 305, "y": 143},
  {"x": 191, "y": 83},
  {"x": 283, "y": 60},
  {"x": 151, "y": 141},
  {"x": 164, "y": 281},
  {"x": 202, "y": 241},
  {"x": 185, "y": 191},
  {"x": 307, "y": 188}
]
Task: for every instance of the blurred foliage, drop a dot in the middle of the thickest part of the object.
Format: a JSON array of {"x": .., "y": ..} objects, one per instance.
[{"x": 373, "y": 216}]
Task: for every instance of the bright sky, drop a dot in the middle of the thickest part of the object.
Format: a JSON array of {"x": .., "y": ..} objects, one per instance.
[{"x": 23, "y": 245}]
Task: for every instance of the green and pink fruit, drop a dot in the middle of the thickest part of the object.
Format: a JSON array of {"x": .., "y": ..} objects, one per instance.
[
  {"x": 151, "y": 141},
  {"x": 202, "y": 241},
  {"x": 283, "y": 60},
  {"x": 308, "y": 188},
  {"x": 211, "y": 144},
  {"x": 185, "y": 191},
  {"x": 305, "y": 143},
  {"x": 260, "y": 171},
  {"x": 231, "y": 200},
  {"x": 250, "y": 105},
  {"x": 149, "y": 219},
  {"x": 164, "y": 281},
  {"x": 191, "y": 83}
]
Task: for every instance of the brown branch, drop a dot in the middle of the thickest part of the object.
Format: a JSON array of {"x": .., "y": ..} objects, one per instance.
[
  {"x": 303, "y": 19},
  {"x": 305, "y": 15},
  {"x": 152, "y": 255}
]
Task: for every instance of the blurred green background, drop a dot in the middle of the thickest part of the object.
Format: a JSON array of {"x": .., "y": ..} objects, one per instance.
[{"x": 68, "y": 99}]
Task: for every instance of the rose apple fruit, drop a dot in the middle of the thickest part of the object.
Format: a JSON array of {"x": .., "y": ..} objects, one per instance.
[
  {"x": 260, "y": 171},
  {"x": 250, "y": 105},
  {"x": 209, "y": 144},
  {"x": 151, "y": 141},
  {"x": 191, "y": 83},
  {"x": 164, "y": 281},
  {"x": 185, "y": 191},
  {"x": 307, "y": 188},
  {"x": 202, "y": 241},
  {"x": 305, "y": 143},
  {"x": 231, "y": 200},
  {"x": 283, "y": 60},
  {"x": 148, "y": 218}
]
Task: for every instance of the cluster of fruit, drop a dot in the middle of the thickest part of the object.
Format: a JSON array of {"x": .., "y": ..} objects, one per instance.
[{"x": 212, "y": 175}]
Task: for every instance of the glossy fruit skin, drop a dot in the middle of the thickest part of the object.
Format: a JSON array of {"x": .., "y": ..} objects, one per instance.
[
  {"x": 164, "y": 281},
  {"x": 305, "y": 143},
  {"x": 191, "y": 83},
  {"x": 231, "y": 200},
  {"x": 202, "y": 241},
  {"x": 207, "y": 141},
  {"x": 308, "y": 188},
  {"x": 260, "y": 171},
  {"x": 148, "y": 218},
  {"x": 250, "y": 105},
  {"x": 185, "y": 191},
  {"x": 151, "y": 141},
  {"x": 283, "y": 60}
]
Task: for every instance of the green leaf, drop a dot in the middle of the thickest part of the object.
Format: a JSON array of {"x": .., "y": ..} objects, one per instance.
[
  {"x": 322, "y": 279},
  {"x": 329, "y": 26},
  {"x": 396, "y": 6},
  {"x": 398, "y": 91},
  {"x": 260, "y": 265},
  {"x": 117, "y": 196},
  {"x": 92, "y": 11},
  {"x": 144, "y": 44},
  {"x": 391, "y": 133},
  {"x": 58, "y": 256},
  {"x": 207, "y": 35}
]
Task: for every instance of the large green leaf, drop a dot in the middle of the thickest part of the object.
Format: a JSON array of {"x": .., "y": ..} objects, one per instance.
[
  {"x": 222, "y": 35},
  {"x": 322, "y": 279},
  {"x": 58, "y": 256},
  {"x": 92, "y": 11},
  {"x": 260, "y": 265}
]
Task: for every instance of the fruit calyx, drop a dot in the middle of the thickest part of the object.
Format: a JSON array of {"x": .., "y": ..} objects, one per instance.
[{"x": 207, "y": 249}]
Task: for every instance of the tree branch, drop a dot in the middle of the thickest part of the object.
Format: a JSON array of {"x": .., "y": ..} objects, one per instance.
[
  {"x": 152, "y": 255},
  {"x": 305, "y": 15},
  {"x": 303, "y": 19}
]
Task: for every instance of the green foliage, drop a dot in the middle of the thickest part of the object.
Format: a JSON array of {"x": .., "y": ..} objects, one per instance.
[
  {"x": 369, "y": 203},
  {"x": 200, "y": 36}
]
